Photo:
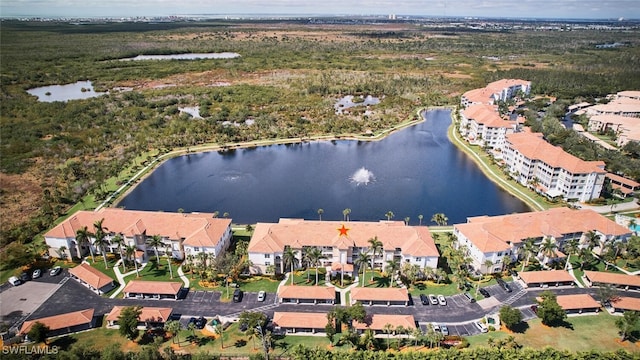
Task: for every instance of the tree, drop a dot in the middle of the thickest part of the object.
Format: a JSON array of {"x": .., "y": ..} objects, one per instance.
[
  {"x": 173, "y": 326},
  {"x": 548, "y": 249},
  {"x": 440, "y": 219},
  {"x": 118, "y": 240},
  {"x": 592, "y": 240},
  {"x": 252, "y": 319},
  {"x": 38, "y": 332},
  {"x": 363, "y": 261},
  {"x": 62, "y": 252},
  {"x": 155, "y": 241},
  {"x": 411, "y": 272},
  {"x": 388, "y": 329},
  {"x": 128, "y": 321},
  {"x": 510, "y": 317},
  {"x": 628, "y": 323},
  {"x": 83, "y": 236},
  {"x": 389, "y": 215},
  {"x": 528, "y": 246},
  {"x": 130, "y": 251},
  {"x": 570, "y": 248},
  {"x": 289, "y": 258},
  {"x": 420, "y": 217},
  {"x": 167, "y": 250},
  {"x": 99, "y": 239},
  {"x": 219, "y": 330},
  {"x": 548, "y": 309},
  {"x": 375, "y": 246},
  {"x": 320, "y": 212},
  {"x": 392, "y": 268},
  {"x": 315, "y": 255},
  {"x": 345, "y": 214},
  {"x": 406, "y": 220}
]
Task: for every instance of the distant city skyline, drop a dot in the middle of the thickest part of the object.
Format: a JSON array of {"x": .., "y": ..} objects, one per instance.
[{"x": 570, "y": 9}]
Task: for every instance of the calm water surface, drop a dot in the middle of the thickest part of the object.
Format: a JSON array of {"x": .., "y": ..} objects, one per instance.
[
  {"x": 413, "y": 171},
  {"x": 75, "y": 91}
]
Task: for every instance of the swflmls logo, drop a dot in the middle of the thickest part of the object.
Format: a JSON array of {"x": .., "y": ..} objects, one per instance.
[{"x": 30, "y": 350}]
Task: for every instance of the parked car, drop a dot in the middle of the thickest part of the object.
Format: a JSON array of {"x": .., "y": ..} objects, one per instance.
[
  {"x": 14, "y": 281},
  {"x": 200, "y": 322},
  {"x": 444, "y": 330},
  {"x": 237, "y": 295},
  {"x": 433, "y": 299},
  {"x": 243, "y": 326},
  {"x": 262, "y": 295},
  {"x": 469, "y": 297},
  {"x": 441, "y": 300},
  {"x": 503, "y": 284},
  {"x": 424, "y": 299},
  {"x": 36, "y": 274},
  {"x": 485, "y": 292},
  {"x": 24, "y": 277},
  {"x": 435, "y": 327},
  {"x": 55, "y": 271},
  {"x": 534, "y": 308},
  {"x": 480, "y": 326}
]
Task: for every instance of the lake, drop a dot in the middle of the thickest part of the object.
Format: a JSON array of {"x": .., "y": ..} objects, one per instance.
[
  {"x": 190, "y": 56},
  {"x": 413, "y": 171},
  {"x": 75, "y": 91}
]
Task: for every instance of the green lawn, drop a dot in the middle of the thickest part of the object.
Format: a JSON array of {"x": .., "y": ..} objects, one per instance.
[
  {"x": 592, "y": 332},
  {"x": 158, "y": 272},
  {"x": 300, "y": 277}
]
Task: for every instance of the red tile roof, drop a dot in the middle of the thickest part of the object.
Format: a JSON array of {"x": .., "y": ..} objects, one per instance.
[
  {"x": 150, "y": 314},
  {"x": 300, "y": 320},
  {"x": 578, "y": 301},
  {"x": 307, "y": 292},
  {"x": 91, "y": 275},
  {"x": 623, "y": 180},
  {"x": 626, "y": 303},
  {"x": 545, "y": 276},
  {"x": 272, "y": 238},
  {"x": 379, "y": 294},
  {"x": 534, "y": 147},
  {"x": 611, "y": 278},
  {"x": 153, "y": 287},
  {"x": 198, "y": 229},
  {"x": 487, "y": 115},
  {"x": 336, "y": 266},
  {"x": 378, "y": 322},
  {"x": 61, "y": 321}
]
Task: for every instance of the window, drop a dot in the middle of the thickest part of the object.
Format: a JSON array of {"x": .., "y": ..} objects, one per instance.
[
  {"x": 418, "y": 259},
  {"x": 267, "y": 263},
  {"x": 267, "y": 256},
  {"x": 196, "y": 249}
]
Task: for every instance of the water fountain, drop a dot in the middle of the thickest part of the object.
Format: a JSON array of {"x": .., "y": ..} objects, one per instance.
[{"x": 362, "y": 176}]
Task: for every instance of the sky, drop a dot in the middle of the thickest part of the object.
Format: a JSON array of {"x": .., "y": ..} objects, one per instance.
[{"x": 579, "y": 9}]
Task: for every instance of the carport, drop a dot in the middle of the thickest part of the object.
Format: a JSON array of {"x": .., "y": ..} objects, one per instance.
[
  {"x": 623, "y": 281},
  {"x": 377, "y": 323},
  {"x": 92, "y": 278},
  {"x": 64, "y": 323},
  {"x": 578, "y": 304},
  {"x": 624, "y": 303},
  {"x": 307, "y": 294},
  {"x": 150, "y": 317},
  {"x": 546, "y": 278},
  {"x": 299, "y": 322},
  {"x": 380, "y": 296},
  {"x": 157, "y": 290}
]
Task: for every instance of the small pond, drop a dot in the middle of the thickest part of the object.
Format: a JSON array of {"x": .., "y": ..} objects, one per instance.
[
  {"x": 75, "y": 91},
  {"x": 190, "y": 56},
  {"x": 347, "y": 102}
]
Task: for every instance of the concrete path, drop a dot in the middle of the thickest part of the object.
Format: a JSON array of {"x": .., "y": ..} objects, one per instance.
[
  {"x": 604, "y": 209},
  {"x": 184, "y": 279},
  {"x": 570, "y": 270},
  {"x": 120, "y": 277}
]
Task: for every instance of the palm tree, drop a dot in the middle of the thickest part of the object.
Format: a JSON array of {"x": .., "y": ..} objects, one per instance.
[
  {"x": 306, "y": 261},
  {"x": 363, "y": 261},
  {"x": 173, "y": 326},
  {"x": 548, "y": 248},
  {"x": 62, "y": 252},
  {"x": 83, "y": 236},
  {"x": 440, "y": 275},
  {"x": 388, "y": 329},
  {"x": 570, "y": 248},
  {"x": 406, "y": 220},
  {"x": 528, "y": 246},
  {"x": 315, "y": 255},
  {"x": 420, "y": 217},
  {"x": 440, "y": 219},
  {"x": 389, "y": 215},
  {"x": 375, "y": 247},
  {"x": 593, "y": 239},
  {"x": 167, "y": 250},
  {"x": 345, "y": 214},
  {"x": 289, "y": 258},
  {"x": 130, "y": 250},
  {"x": 99, "y": 237},
  {"x": 391, "y": 268},
  {"x": 118, "y": 240},
  {"x": 219, "y": 330},
  {"x": 320, "y": 212},
  {"x": 155, "y": 241}
]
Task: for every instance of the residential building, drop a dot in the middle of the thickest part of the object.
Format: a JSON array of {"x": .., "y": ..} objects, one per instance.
[
  {"x": 501, "y": 90},
  {"x": 622, "y": 281},
  {"x": 489, "y": 239},
  {"x": 625, "y": 187},
  {"x": 340, "y": 243},
  {"x": 551, "y": 171},
  {"x": 626, "y": 128},
  {"x": 482, "y": 125},
  {"x": 182, "y": 234},
  {"x": 64, "y": 323}
]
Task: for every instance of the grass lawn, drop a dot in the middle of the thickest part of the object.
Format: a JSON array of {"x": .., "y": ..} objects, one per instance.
[
  {"x": 159, "y": 272},
  {"x": 300, "y": 277},
  {"x": 592, "y": 332}
]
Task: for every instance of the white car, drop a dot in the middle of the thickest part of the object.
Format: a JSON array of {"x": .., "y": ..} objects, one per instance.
[
  {"x": 433, "y": 299},
  {"x": 480, "y": 326},
  {"x": 444, "y": 330},
  {"x": 435, "y": 327},
  {"x": 55, "y": 271},
  {"x": 261, "y": 296},
  {"x": 14, "y": 281},
  {"x": 36, "y": 274},
  {"x": 441, "y": 300}
]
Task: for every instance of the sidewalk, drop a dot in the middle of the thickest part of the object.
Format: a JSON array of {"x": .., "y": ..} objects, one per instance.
[
  {"x": 120, "y": 277},
  {"x": 184, "y": 279}
]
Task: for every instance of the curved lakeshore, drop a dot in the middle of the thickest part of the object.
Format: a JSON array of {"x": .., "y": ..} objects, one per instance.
[{"x": 417, "y": 171}]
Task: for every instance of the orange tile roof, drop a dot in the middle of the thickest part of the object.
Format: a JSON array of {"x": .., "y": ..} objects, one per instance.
[
  {"x": 483, "y": 95},
  {"x": 90, "y": 275},
  {"x": 300, "y": 320},
  {"x": 151, "y": 314},
  {"x": 487, "y": 115},
  {"x": 338, "y": 267},
  {"x": 271, "y": 238},
  {"x": 378, "y": 322},
  {"x": 198, "y": 229},
  {"x": 626, "y": 303},
  {"x": 534, "y": 147},
  {"x": 379, "y": 294},
  {"x": 623, "y": 180},
  {"x": 611, "y": 278},
  {"x": 306, "y": 292},
  {"x": 491, "y": 233},
  {"x": 545, "y": 276},
  {"x": 577, "y": 301},
  {"x": 153, "y": 287},
  {"x": 61, "y": 321}
]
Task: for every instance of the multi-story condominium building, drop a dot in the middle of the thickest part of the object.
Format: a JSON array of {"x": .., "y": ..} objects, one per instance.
[
  {"x": 489, "y": 240},
  {"x": 550, "y": 170},
  {"x": 340, "y": 243},
  {"x": 626, "y": 128},
  {"x": 501, "y": 90},
  {"x": 182, "y": 234},
  {"x": 482, "y": 125},
  {"x": 622, "y": 105}
]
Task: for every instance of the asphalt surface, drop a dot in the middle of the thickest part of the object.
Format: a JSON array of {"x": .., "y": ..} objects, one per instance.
[{"x": 459, "y": 314}]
